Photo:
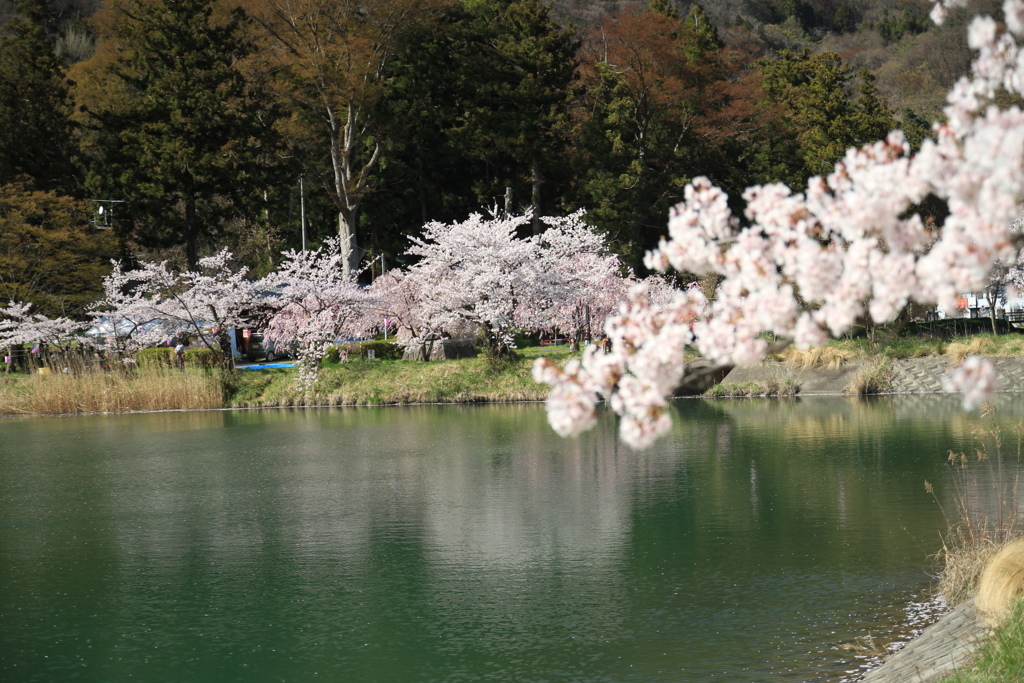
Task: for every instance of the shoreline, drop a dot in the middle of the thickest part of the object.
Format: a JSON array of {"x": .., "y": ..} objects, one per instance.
[{"x": 465, "y": 386}]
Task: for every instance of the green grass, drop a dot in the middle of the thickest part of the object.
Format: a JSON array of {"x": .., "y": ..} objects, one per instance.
[
  {"x": 773, "y": 387},
  {"x": 362, "y": 382},
  {"x": 1001, "y": 658}
]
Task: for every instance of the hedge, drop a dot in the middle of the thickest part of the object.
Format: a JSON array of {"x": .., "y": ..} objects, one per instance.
[
  {"x": 200, "y": 358},
  {"x": 162, "y": 357},
  {"x": 382, "y": 350}
]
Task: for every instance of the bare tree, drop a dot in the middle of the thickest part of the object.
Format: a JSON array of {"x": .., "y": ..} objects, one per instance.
[{"x": 328, "y": 58}]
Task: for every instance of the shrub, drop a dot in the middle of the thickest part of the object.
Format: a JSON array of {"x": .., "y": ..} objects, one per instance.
[
  {"x": 200, "y": 358},
  {"x": 382, "y": 350},
  {"x": 162, "y": 357}
]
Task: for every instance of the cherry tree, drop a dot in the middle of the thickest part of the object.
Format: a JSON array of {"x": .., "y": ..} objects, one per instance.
[
  {"x": 19, "y": 326},
  {"x": 317, "y": 303},
  {"x": 122, "y": 320},
  {"x": 397, "y": 297},
  {"x": 205, "y": 303},
  {"x": 474, "y": 273},
  {"x": 577, "y": 283},
  {"x": 852, "y": 246},
  {"x": 479, "y": 274}
]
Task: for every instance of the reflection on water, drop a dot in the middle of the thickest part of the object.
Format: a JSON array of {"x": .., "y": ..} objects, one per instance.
[{"x": 467, "y": 543}]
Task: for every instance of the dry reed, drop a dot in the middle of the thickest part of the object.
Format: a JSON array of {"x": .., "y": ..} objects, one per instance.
[
  {"x": 98, "y": 392},
  {"x": 982, "y": 525},
  {"x": 875, "y": 378},
  {"x": 957, "y": 351},
  {"x": 1001, "y": 583},
  {"x": 823, "y": 357}
]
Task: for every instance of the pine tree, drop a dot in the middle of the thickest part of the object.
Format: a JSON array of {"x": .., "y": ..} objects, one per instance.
[
  {"x": 187, "y": 148},
  {"x": 36, "y": 132}
]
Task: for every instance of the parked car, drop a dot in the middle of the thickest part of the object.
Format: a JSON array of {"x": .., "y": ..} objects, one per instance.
[{"x": 258, "y": 349}]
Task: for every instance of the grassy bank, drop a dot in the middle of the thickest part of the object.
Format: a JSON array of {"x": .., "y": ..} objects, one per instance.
[
  {"x": 359, "y": 382},
  {"x": 1001, "y": 658},
  {"x": 841, "y": 351},
  {"x": 362, "y": 382}
]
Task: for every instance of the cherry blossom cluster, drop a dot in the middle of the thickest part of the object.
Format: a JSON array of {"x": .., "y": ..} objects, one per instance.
[
  {"x": 317, "y": 302},
  {"x": 146, "y": 305},
  {"x": 479, "y": 276},
  {"x": 807, "y": 266},
  {"x": 18, "y": 326}
]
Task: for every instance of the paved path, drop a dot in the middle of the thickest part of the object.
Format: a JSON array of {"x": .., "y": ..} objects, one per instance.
[{"x": 941, "y": 649}]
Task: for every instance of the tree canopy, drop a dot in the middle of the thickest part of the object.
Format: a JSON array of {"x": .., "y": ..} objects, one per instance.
[{"x": 188, "y": 144}]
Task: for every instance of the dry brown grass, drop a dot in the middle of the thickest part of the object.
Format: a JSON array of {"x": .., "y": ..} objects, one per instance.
[
  {"x": 957, "y": 351},
  {"x": 824, "y": 357},
  {"x": 875, "y": 378},
  {"x": 1001, "y": 583},
  {"x": 986, "y": 520},
  {"x": 111, "y": 392}
]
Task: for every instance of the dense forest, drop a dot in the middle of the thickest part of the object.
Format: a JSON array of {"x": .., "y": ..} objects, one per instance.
[{"x": 210, "y": 123}]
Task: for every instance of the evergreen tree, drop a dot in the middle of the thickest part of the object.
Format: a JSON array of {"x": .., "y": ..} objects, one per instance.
[
  {"x": 820, "y": 118},
  {"x": 36, "y": 133},
  {"x": 477, "y": 101},
  {"x": 187, "y": 146}
]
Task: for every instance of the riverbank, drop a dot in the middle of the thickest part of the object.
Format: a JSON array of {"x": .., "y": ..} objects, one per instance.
[
  {"x": 363, "y": 382},
  {"x": 359, "y": 382},
  {"x": 843, "y": 367}
]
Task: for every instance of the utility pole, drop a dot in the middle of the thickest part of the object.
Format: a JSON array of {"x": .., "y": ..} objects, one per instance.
[{"x": 302, "y": 205}]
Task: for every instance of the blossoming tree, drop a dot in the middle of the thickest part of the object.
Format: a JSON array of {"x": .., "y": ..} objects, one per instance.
[
  {"x": 204, "y": 303},
  {"x": 317, "y": 301},
  {"x": 804, "y": 266},
  {"x": 479, "y": 274},
  {"x": 19, "y": 326}
]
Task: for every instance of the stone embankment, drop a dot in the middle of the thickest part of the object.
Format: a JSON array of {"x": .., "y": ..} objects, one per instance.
[
  {"x": 940, "y": 650},
  {"x": 907, "y": 375}
]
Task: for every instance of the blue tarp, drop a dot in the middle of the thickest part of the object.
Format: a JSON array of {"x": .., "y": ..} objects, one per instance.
[{"x": 264, "y": 366}]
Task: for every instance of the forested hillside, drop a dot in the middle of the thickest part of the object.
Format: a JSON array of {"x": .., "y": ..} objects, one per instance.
[{"x": 200, "y": 116}]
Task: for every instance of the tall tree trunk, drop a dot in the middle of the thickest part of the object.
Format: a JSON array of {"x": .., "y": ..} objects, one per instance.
[
  {"x": 535, "y": 205},
  {"x": 349, "y": 185},
  {"x": 191, "y": 234},
  {"x": 346, "y": 234}
]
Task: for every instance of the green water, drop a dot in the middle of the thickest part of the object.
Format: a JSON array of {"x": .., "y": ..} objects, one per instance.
[{"x": 466, "y": 543}]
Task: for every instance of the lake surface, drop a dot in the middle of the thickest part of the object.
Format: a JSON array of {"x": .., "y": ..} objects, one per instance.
[{"x": 447, "y": 543}]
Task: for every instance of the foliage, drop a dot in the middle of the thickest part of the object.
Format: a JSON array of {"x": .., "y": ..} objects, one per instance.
[
  {"x": 49, "y": 256},
  {"x": 329, "y": 59},
  {"x": 160, "y": 357},
  {"x": 187, "y": 142},
  {"x": 382, "y": 350},
  {"x": 821, "y": 118},
  {"x": 201, "y": 358},
  {"x": 660, "y": 101},
  {"x": 35, "y": 105}
]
